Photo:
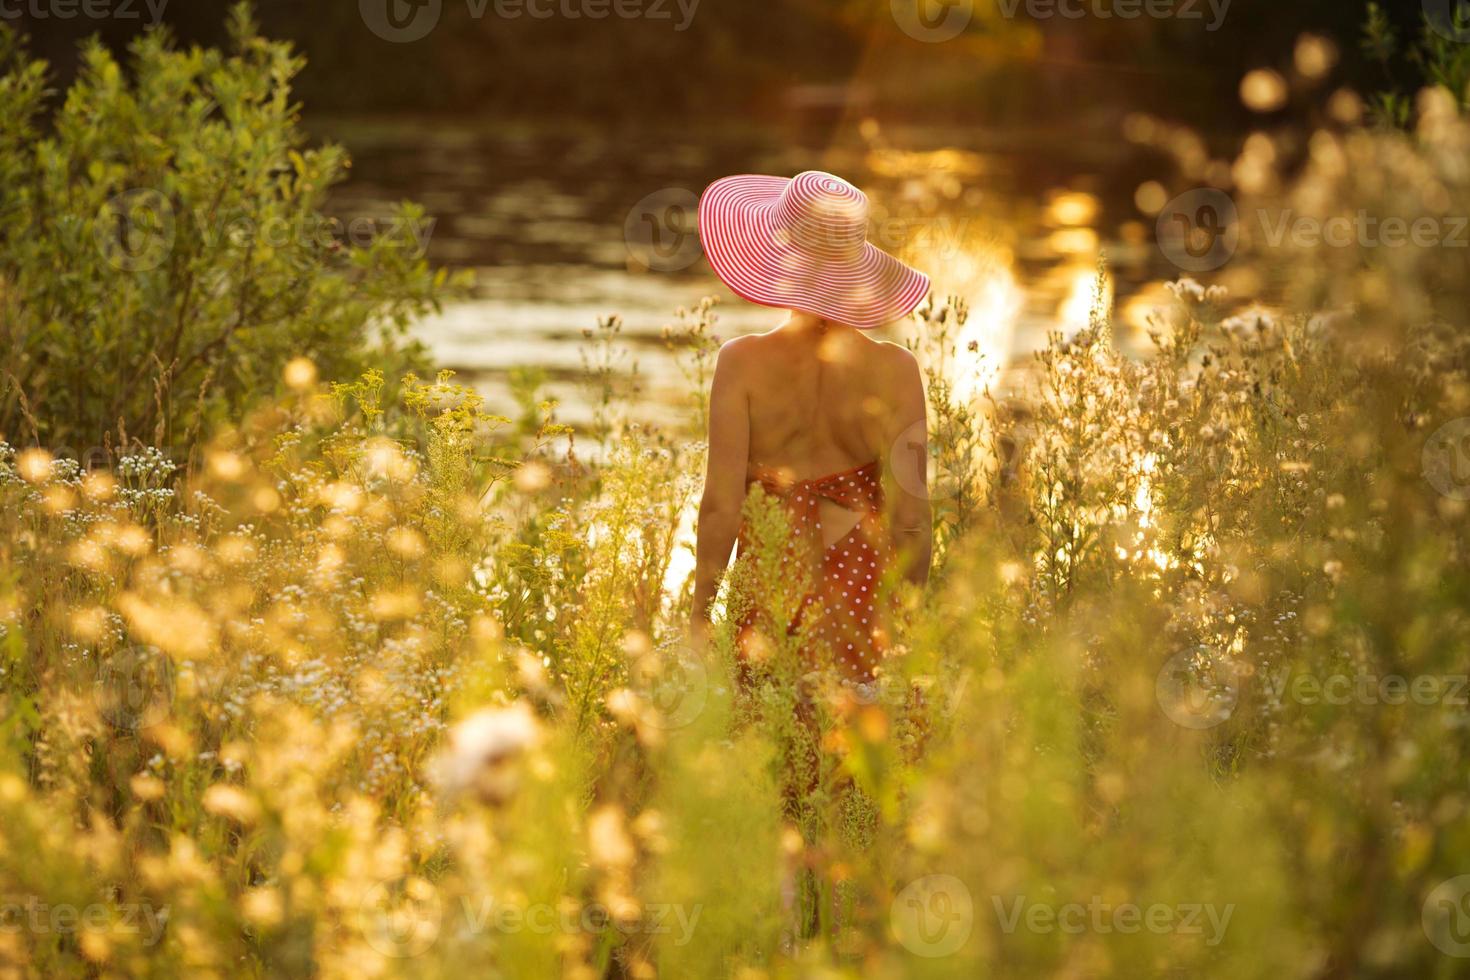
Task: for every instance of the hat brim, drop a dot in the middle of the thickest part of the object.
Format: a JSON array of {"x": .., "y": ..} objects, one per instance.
[{"x": 739, "y": 236}]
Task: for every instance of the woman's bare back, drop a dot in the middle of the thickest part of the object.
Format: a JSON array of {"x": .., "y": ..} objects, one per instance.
[
  {"x": 823, "y": 398},
  {"x": 808, "y": 400}
]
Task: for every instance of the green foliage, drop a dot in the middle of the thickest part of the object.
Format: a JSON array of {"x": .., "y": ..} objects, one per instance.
[
  {"x": 165, "y": 250},
  {"x": 1434, "y": 59},
  {"x": 961, "y": 436},
  {"x": 382, "y": 684}
]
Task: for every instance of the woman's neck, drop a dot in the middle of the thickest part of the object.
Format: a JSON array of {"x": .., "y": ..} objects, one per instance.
[{"x": 808, "y": 323}]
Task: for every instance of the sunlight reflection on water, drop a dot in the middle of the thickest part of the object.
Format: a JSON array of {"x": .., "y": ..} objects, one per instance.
[{"x": 1007, "y": 230}]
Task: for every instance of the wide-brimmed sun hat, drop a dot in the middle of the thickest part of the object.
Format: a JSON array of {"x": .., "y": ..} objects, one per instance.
[{"x": 802, "y": 244}]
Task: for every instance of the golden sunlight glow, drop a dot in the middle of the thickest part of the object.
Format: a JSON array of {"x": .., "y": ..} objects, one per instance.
[
  {"x": 1073, "y": 241},
  {"x": 1150, "y": 197},
  {"x": 1076, "y": 310},
  {"x": 1315, "y": 56},
  {"x": 997, "y": 303},
  {"x": 984, "y": 272},
  {"x": 299, "y": 374},
  {"x": 889, "y": 162},
  {"x": 1134, "y": 314},
  {"x": 1073, "y": 208},
  {"x": 681, "y": 559},
  {"x": 1263, "y": 90}
]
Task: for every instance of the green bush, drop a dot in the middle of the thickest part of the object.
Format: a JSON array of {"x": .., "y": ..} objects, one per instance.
[{"x": 164, "y": 250}]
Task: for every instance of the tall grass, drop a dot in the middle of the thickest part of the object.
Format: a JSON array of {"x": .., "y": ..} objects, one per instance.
[{"x": 402, "y": 690}]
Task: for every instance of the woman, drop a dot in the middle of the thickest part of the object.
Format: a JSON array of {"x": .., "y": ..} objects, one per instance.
[{"x": 815, "y": 411}]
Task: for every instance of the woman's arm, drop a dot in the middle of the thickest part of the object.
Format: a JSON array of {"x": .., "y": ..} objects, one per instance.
[
  {"x": 724, "y": 481},
  {"x": 909, "y": 518}
]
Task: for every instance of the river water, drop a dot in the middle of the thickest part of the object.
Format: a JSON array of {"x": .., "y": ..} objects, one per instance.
[{"x": 563, "y": 225}]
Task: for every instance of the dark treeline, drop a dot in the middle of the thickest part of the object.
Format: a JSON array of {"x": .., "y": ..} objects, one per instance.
[{"x": 747, "y": 57}]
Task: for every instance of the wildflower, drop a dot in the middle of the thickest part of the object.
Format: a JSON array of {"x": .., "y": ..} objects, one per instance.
[
  {"x": 607, "y": 838},
  {"x": 99, "y": 486},
  {"x": 482, "y": 750},
  {"x": 1187, "y": 290},
  {"x": 405, "y": 542},
  {"x": 231, "y": 802},
  {"x": 651, "y": 830},
  {"x": 532, "y": 477},
  {"x": 35, "y": 465},
  {"x": 262, "y": 906},
  {"x": 1251, "y": 323},
  {"x": 146, "y": 786},
  {"x": 299, "y": 373}
]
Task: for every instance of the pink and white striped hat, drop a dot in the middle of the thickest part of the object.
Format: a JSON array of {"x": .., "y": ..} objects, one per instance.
[{"x": 802, "y": 244}]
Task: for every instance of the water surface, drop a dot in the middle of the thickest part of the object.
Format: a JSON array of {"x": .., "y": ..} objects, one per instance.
[{"x": 563, "y": 225}]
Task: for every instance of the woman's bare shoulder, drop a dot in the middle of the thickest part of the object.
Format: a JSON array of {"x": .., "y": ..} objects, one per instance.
[
  {"x": 738, "y": 349},
  {"x": 736, "y": 357},
  {"x": 894, "y": 357}
]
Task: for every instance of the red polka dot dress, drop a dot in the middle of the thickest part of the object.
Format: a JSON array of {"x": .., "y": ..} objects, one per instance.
[{"x": 840, "y": 615}]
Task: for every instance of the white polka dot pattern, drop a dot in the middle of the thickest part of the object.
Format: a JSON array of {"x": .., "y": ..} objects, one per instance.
[{"x": 846, "y": 628}]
